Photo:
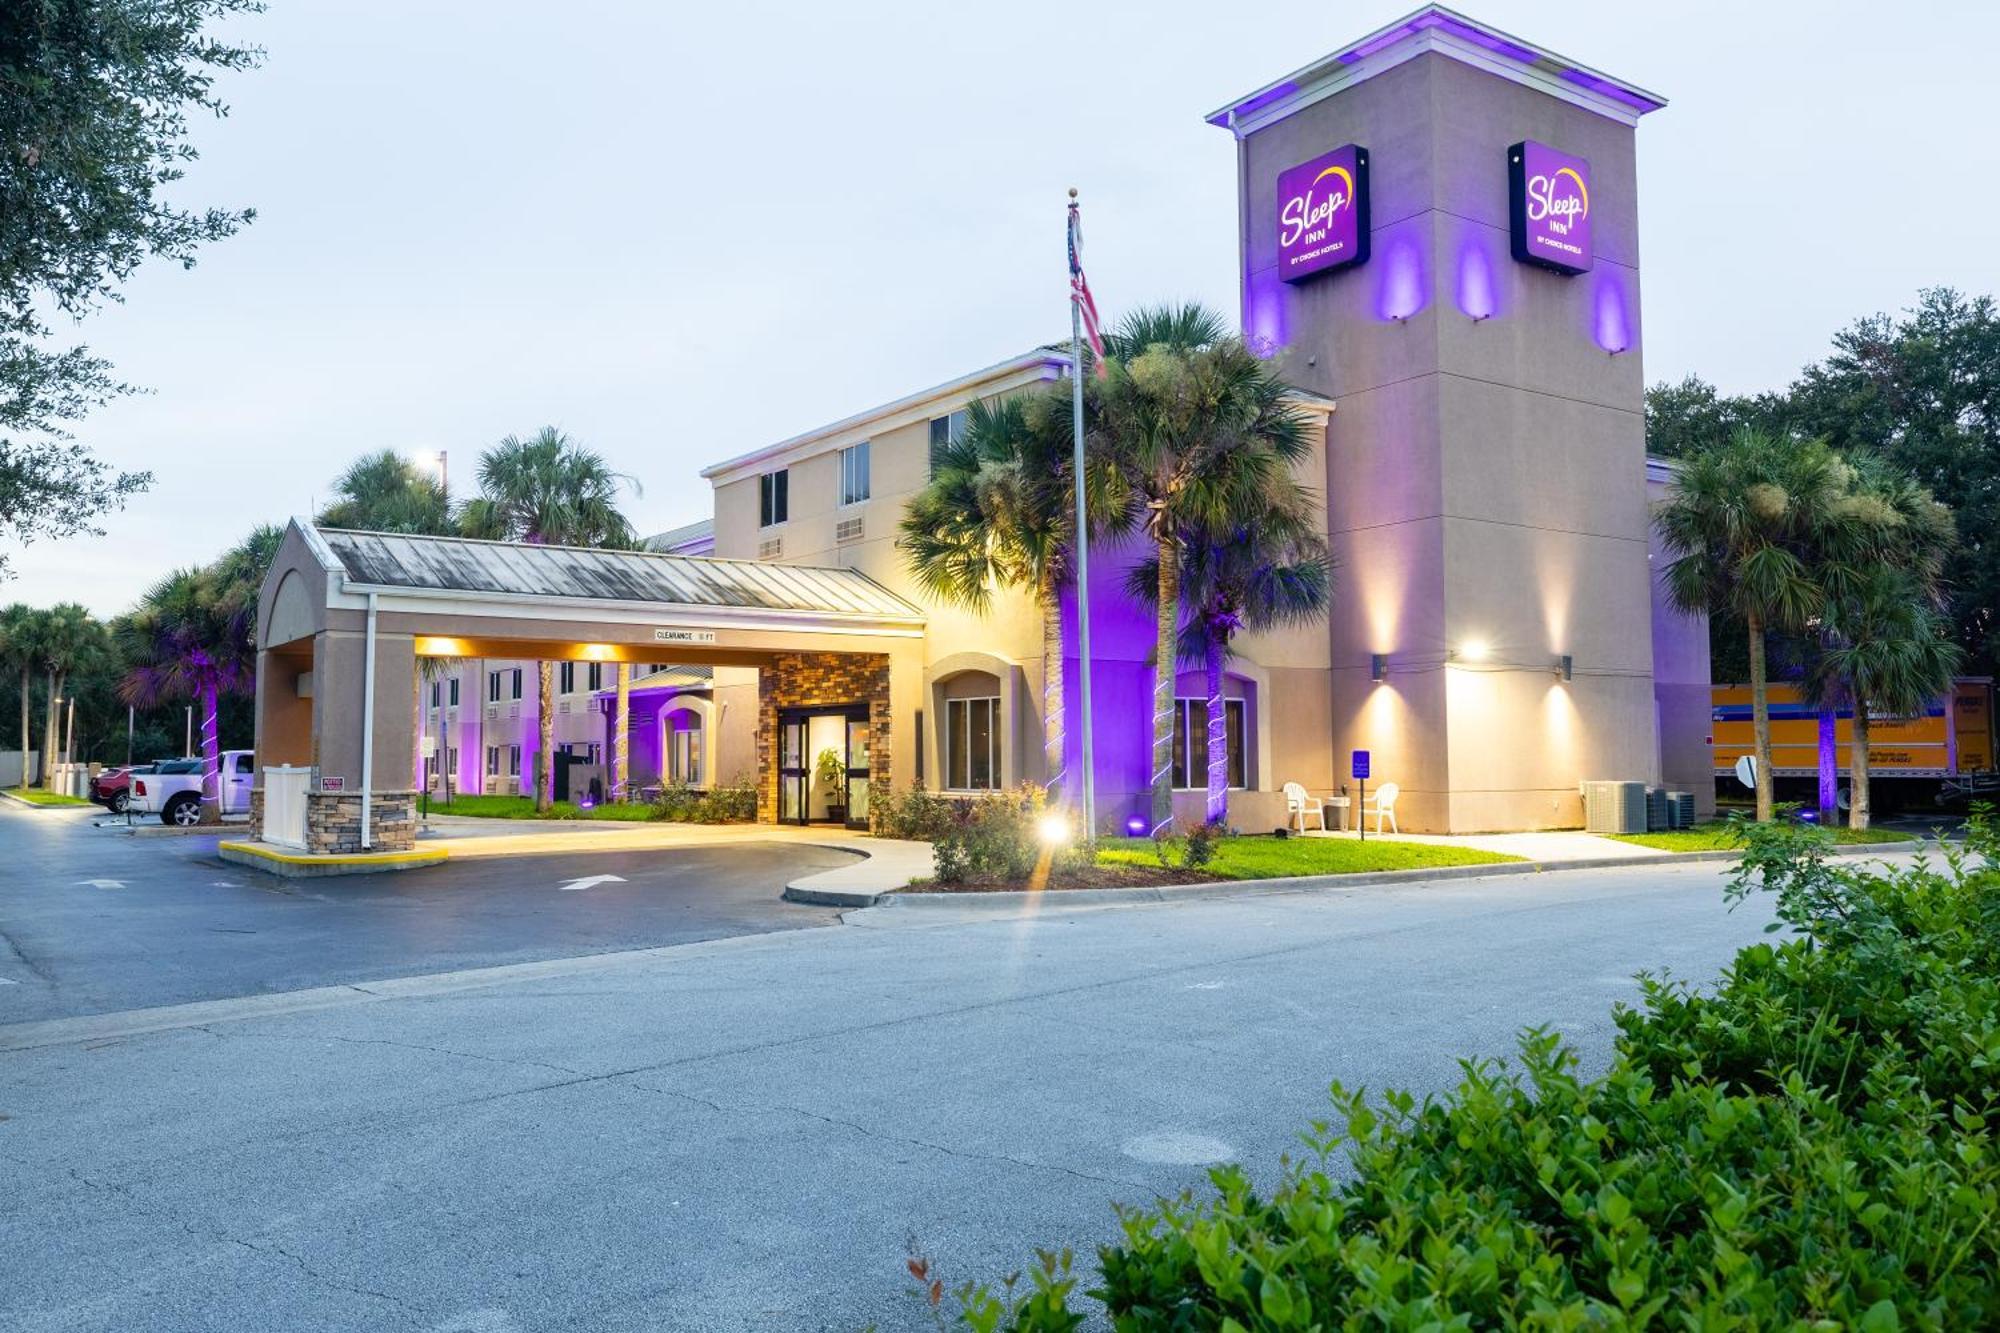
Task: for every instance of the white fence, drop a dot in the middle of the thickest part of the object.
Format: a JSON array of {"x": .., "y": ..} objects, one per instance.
[{"x": 285, "y": 805}]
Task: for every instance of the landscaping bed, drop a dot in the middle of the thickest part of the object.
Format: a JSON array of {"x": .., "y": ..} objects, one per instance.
[
  {"x": 1135, "y": 863},
  {"x": 523, "y": 807},
  {"x": 1721, "y": 835},
  {"x": 36, "y": 796}
]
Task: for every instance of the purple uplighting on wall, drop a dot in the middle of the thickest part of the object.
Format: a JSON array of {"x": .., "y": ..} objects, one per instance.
[
  {"x": 1478, "y": 294},
  {"x": 1400, "y": 288},
  {"x": 1265, "y": 326},
  {"x": 1610, "y": 312}
]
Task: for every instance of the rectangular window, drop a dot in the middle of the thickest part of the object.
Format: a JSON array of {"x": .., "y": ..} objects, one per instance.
[
  {"x": 492, "y": 761},
  {"x": 437, "y": 693},
  {"x": 513, "y": 761},
  {"x": 945, "y": 430},
  {"x": 517, "y": 682},
  {"x": 567, "y": 682},
  {"x": 493, "y": 687},
  {"x": 596, "y": 676},
  {"x": 772, "y": 498},
  {"x": 1191, "y": 743},
  {"x": 854, "y": 474},
  {"x": 452, "y": 697},
  {"x": 972, "y": 744}
]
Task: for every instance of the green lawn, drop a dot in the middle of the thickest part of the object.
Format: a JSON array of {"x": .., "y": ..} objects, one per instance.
[
  {"x": 1719, "y": 836},
  {"x": 1273, "y": 858},
  {"x": 36, "y": 796},
  {"x": 523, "y": 807}
]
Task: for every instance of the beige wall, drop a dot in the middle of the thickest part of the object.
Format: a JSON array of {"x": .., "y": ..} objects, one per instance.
[{"x": 1485, "y": 477}]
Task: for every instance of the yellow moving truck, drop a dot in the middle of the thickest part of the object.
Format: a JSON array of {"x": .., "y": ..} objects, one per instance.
[{"x": 1953, "y": 738}]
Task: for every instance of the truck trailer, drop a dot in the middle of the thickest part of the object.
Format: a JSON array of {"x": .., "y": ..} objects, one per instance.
[{"x": 1951, "y": 742}]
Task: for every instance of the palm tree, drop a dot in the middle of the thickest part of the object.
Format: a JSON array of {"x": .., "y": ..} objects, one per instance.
[
  {"x": 192, "y": 637},
  {"x": 1198, "y": 427},
  {"x": 1769, "y": 530},
  {"x": 548, "y": 489},
  {"x": 386, "y": 492},
  {"x": 1887, "y": 650},
  {"x": 999, "y": 512},
  {"x": 1882, "y": 646},
  {"x": 21, "y": 649},
  {"x": 1270, "y": 569},
  {"x": 65, "y": 636}
]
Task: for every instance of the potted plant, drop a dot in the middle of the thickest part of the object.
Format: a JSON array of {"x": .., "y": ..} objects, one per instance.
[{"x": 831, "y": 774}]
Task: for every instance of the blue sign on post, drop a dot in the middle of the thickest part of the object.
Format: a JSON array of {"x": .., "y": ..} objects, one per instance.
[{"x": 1360, "y": 765}]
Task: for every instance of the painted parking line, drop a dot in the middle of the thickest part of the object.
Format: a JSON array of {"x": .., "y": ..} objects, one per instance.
[{"x": 103, "y": 883}]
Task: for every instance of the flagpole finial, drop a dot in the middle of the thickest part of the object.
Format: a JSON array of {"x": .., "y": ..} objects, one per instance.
[{"x": 1072, "y": 192}]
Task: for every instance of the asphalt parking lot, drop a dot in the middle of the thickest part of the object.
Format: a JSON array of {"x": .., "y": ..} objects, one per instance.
[
  {"x": 94, "y": 920},
  {"x": 746, "y": 1134}
]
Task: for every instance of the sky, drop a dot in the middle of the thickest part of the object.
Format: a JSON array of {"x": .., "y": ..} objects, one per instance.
[{"x": 678, "y": 232}]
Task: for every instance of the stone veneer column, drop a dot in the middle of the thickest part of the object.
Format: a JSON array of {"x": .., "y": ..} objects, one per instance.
[
  {"x": 333, "y": 823},
  {"x": 822, "y": 680}
]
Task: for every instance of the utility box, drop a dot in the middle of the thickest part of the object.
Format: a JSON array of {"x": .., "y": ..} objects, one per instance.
[{"x": 1614, "y": 807}]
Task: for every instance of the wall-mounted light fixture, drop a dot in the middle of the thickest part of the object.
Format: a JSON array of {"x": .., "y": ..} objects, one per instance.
[
  {"x": 1378, "y": 667},
  {"x": 1472, "y": 650},
  {"x": 1566, "y": 667}
]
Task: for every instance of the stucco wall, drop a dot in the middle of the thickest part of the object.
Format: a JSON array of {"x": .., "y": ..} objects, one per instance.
[{"x": 1485, "y": 470}]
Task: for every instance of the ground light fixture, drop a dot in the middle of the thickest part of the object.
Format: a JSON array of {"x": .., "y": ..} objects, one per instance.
[
  {"x": 1136, "y": 826},
  {"x": 1054, "y": 830}
]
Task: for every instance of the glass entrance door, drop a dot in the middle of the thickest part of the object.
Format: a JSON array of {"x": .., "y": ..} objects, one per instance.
[{"x": 823, "y": 766}]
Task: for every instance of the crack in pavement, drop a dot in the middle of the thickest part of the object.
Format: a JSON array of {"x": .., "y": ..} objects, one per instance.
[
  {"x": 867, "y": 1132},
  {"x": 269, "y": 1249}
]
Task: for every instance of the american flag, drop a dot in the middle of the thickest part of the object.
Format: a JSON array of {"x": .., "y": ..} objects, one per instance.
[{"x": 1079, "y": 288}]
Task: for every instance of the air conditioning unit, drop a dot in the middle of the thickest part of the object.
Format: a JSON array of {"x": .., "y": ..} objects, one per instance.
[
  {"x": 771, "y": 548},
  {"x": 1680, "y": 809},
  {"x": 1657, "y": 817},
  {"x": 848, "y": 530},
  {"x": 1614, "y": 807}
]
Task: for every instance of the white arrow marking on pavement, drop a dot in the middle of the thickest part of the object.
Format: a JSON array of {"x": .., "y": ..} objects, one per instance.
[
  {"x": 590, "y": 882},
  {"x": 8, "y": 981},
  {"x": 103, "y": 883}
]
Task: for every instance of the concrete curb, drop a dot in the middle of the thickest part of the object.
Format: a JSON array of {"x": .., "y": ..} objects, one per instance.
[
  {"x": 299, "y": 865},
  {"x": 1001, "y": 902}
]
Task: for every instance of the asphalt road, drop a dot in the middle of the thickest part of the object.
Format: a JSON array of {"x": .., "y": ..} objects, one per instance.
[
  {"x": 94, "y": 921},
  {"x": 747, "y": 1133}
]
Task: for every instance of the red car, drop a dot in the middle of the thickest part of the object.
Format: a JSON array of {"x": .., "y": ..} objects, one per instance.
[{"x": 112, "y": 787}]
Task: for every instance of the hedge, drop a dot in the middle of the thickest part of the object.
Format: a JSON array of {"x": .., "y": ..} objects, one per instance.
[{"x": 1806, "y": 1145}]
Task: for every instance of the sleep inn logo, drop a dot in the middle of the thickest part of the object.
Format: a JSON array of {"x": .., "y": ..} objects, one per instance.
[{"x": 1323, "y": 213}]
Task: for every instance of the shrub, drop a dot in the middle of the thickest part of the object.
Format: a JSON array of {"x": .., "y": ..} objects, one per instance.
[
  {"x": 998, "y": 836},
  {"x": 1808, "y": 1145},
  {"x": 732, "y": 802},
  {"x": 918, "y": 814},
  {"x": 1200, "y": 847}
]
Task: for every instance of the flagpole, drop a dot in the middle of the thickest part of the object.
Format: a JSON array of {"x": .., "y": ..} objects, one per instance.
[{"x": 1082, "y": 559}]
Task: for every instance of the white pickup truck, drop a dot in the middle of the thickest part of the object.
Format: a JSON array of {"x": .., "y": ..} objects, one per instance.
[{"x": 173, "y": 789}]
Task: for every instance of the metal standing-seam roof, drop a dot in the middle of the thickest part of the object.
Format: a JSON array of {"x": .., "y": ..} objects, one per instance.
[{"x": 460, "y": 564}]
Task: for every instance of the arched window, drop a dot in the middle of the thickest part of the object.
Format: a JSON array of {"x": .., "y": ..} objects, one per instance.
[
  {"x": 971, "y": 735},
  {"x": 683, "y": 727}
]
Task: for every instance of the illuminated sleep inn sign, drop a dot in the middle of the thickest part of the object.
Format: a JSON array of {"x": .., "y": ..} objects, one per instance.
[
  {"x": 1550, "y": 197},
  {"x": 1323, "y": 213}
]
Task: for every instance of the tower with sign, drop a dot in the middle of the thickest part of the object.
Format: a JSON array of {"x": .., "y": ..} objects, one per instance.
[{"x": 1469, "y": 297}]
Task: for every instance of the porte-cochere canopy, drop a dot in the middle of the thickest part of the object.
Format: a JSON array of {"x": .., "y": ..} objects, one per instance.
[{"x": 344, "y": 617}]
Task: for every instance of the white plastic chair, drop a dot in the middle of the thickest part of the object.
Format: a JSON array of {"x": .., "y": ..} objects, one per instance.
[
  {"x": 1383, "y": 805},
  {"x": 1298, "y": 805}
]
